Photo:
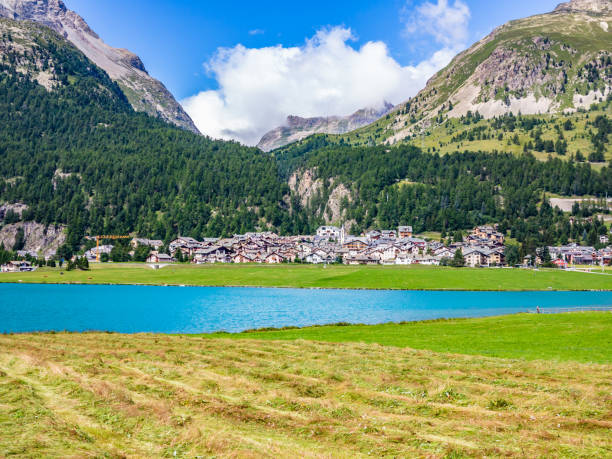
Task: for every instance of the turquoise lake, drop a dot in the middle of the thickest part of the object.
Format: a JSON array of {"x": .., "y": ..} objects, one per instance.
[{"x": 134, "y": 309}]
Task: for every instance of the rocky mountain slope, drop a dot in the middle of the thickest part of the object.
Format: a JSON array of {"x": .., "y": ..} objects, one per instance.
[
  {"x": 145, "y": 93},
  {"x": 298, "y": 128},
  {"x": 552, "y": 63}
]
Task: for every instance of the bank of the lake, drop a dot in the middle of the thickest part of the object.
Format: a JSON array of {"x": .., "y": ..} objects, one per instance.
[
  {"x": 311, "y": 276},
  {"x": 581, "y": 336}
]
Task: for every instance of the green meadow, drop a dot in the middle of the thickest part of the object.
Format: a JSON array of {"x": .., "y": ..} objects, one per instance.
[
  {"x": 311, "y": 276},
  {"x": 584, "y": 337}
]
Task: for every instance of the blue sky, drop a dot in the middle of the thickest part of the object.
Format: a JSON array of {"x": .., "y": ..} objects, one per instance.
[{"x": 175, "y": 39}]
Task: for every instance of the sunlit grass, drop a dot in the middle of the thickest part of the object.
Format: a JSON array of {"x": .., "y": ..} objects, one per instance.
[
  {"x": 584, "y": 336},
  {"x": 310, "y": 276},
  {"x": 106, "y": 395}
]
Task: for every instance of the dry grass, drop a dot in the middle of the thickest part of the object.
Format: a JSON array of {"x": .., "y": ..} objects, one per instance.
[{"x": 97, "y": 395}]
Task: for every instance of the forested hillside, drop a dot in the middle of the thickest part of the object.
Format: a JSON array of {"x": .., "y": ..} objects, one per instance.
[
  {"x": 75, "y": 152},
  {"x": 583, "y": 135},
  {"x": 391, "y": 186}
]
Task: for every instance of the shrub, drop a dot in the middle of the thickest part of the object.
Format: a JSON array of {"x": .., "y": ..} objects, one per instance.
[{"x": 499, "y": 404}]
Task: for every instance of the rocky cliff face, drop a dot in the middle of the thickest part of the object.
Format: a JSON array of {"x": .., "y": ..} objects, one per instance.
[
  {"x": 145, "y": 93},
  {"x": 298, "y": 128},
  {"x": 313, "y": 196},
  {"x": 39, "y": 239},
  {"x": 589, "y": 6}
]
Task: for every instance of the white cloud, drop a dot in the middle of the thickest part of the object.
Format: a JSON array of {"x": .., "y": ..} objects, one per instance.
[
  {"x": 447, "y": 24},
  {"x": 259, "y": 88},
  {"x": 257, "y": 32}
]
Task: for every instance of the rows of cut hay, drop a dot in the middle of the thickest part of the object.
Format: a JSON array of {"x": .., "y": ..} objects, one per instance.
[{"x": 151, "y": 396}]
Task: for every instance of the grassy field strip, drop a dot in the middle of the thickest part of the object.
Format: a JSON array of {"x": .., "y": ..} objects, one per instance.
[
  {"x": 106, "y": 388},
  {"x": 585, "y": 336},
  {"x": 310, "y": 276},
  {"x": 157, "y": 396}
]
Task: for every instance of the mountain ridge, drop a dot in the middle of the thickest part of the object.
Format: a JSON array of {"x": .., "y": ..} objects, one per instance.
[
  {"x": 550, "y": 63},
  {"x": 593, "y": 6},
  {"x": 145, "y": 93},
  {"x": 298, "y": 128}
]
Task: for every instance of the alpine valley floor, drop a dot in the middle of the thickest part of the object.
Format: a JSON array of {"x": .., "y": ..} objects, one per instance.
[{"x": 332, "y": 276}]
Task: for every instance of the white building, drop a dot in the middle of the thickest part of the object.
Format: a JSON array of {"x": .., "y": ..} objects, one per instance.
[
  {"x": 17, "y": 267},
  {"x": 330, "y": 232}
]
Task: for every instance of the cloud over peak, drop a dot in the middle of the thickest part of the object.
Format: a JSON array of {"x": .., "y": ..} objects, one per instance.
[{"x": 259, "y": 87}]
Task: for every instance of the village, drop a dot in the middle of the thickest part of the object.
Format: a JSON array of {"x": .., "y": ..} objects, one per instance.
[{"x": 484, "y": 246}]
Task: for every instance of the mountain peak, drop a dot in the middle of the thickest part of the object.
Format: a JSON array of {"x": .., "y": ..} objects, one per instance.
[
  {"x": 298, "y": 128},
  {"x": 551, "y": 63},
  {"x": 145, "y": 93},
  {"x": 51, "y": 13},
  {"x": 588, "y": 6}
]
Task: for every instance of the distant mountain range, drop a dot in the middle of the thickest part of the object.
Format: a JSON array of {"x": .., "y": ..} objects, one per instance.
[
  {"x": 298, "y": 128},
  {"x": 146, "y": 94}
]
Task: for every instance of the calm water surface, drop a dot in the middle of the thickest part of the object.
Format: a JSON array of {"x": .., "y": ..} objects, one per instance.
[{"x": 132, "y": 309}]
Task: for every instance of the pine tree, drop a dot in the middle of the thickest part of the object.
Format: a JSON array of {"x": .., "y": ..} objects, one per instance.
[
  {"x": 458, "y": 259},
  {"x": 19, "y": 240}
]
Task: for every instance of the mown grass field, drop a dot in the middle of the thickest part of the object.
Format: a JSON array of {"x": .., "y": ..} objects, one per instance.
[
  {"x": 584, "y": 337},
  {"x": 310, "y": 276},
  {"x": 108, "y": 395}
]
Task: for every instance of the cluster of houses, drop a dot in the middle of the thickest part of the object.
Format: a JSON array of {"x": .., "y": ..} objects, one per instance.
[
  {"x": 574, "y": 254},
  {"x": 92, "y": 254},
  {"x": 483, "y": 247}
]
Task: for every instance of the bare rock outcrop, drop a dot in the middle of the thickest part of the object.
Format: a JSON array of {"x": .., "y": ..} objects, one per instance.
[
  {"x": 306, "y": 185},
  {"x": 145, "y": 93},
  {"x": 587, "y": 6},
  {"x": 17, "y": 209},
  {"x": 335, "y": 213},
  {"x": 39, "y": 239}
]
